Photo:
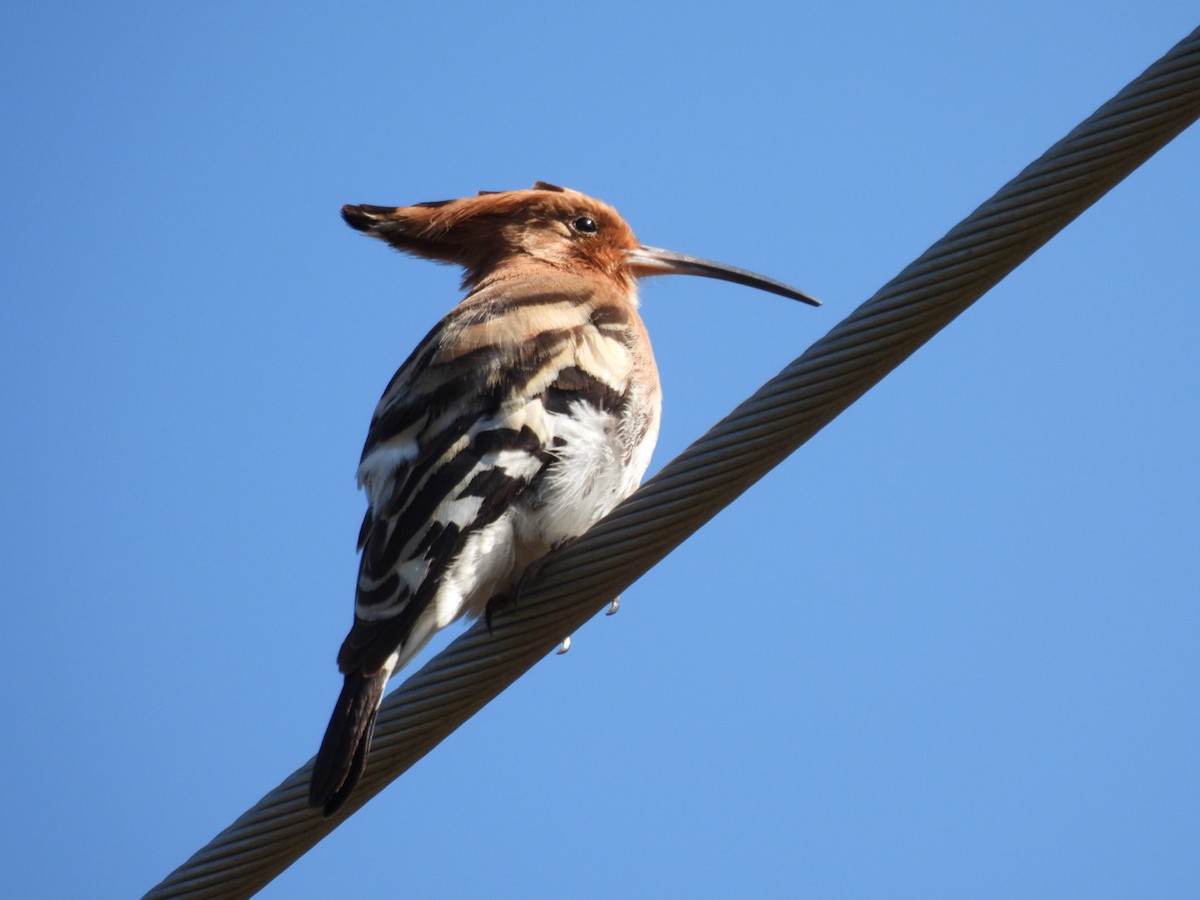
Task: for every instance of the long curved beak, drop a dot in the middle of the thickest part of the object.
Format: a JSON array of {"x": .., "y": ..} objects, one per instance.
[{"x": 646, "y": 261}]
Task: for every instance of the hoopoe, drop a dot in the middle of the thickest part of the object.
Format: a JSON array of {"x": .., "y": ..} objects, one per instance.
[{"x": 524, "y": 416}]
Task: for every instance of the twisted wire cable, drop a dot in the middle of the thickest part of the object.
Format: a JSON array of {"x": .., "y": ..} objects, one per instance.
[{"x": 777, "y": 419}]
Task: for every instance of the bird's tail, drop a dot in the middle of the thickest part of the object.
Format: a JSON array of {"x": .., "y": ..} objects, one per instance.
[{"x": 343, "y": 754}]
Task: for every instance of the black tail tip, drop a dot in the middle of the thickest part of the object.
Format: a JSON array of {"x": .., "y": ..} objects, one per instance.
[
  {"x": 342, "y": 758},
  {"x": 329, "y": 806},
  {"x": 331, "y": 785}
]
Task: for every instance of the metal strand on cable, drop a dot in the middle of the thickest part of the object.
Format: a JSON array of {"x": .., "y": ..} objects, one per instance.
[{"x": 739, "y": 450}]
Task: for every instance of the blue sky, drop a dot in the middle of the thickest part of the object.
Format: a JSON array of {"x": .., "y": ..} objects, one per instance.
[{"x": 948, "y": 649}]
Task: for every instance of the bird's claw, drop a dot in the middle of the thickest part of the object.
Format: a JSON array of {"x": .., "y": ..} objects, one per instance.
[
  {"x": 534, "y": 569},
  {"x": 495, "y": 604}
]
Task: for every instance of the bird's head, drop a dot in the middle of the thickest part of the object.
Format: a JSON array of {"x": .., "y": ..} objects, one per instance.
[{"x": 546, "y": 225}]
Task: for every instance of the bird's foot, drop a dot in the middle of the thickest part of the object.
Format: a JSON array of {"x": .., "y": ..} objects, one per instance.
[
  {"x": 534, "y": 569},
  {"x": 495, "y": 604}
]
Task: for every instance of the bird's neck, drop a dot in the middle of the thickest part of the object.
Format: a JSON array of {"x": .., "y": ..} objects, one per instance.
[{"x": 526, "y": 271}]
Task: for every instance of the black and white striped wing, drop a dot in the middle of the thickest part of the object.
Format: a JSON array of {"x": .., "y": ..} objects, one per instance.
[
  {"x": 465, "y": 429},
  {"x": 448, "y": 453}
]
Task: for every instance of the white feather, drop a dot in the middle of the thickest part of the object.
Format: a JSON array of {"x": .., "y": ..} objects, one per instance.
[{"x": 378, "y": 469}]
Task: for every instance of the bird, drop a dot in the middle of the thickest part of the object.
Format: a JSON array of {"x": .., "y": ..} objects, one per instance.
[{"x": 524, "y": 416}]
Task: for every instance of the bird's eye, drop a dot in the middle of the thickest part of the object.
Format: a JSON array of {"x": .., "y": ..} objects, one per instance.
[{"x": 585, "y": 225}]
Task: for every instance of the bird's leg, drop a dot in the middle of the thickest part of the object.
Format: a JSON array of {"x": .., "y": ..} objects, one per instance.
[
  {"x": 528, "y": 577},
  {"x": 511, "y": 596},
  {"x": 534, "y": 569},
  {"x": 504, "y": 598}
]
